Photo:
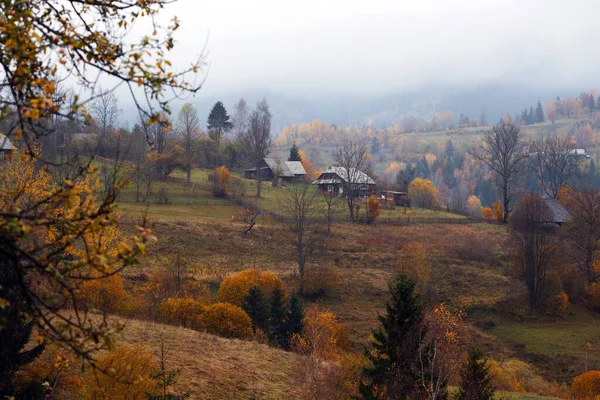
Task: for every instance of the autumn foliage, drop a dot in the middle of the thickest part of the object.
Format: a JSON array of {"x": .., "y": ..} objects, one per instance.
[
  {"x": 498, "y": 211},
  {"x": 422, "y": 193},
  {"x": 235, "y": 288},
  {"x": 412, "y": 260},
  {"x": 184, "y": 311},
  {"x": 124, "y": 373},
  {"x": 227, "y": 320},
  {"x": 487, "y": 213},
  {"x": 374, "y": 208},
  {"x": 587, "y": 385},
  {"x": 319, "y": 280},
  {"x": 221, "y": 184}
]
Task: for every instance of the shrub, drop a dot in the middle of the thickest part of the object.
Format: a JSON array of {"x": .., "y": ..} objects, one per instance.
[
  {"x": 374, "y": 208},
  {"x": 587, "y": 385},
  {"x": 487, "y": 213},
  {"x": 221, "y": 181},
  {"x": 412, "y": 260},
  {"x": 474, "y": 206},
  {"x": 183, "y": 311},
  {"x": 320, "y": 280},
  {"x": 227, "y": 320},
  {"x": 56, "y": 366},
  {"x": 556, "y": 300},
  {"x": 593, "y": 293},
  {"x": 107, "y": 295},
  {"x": 163, "y": 197},
  {"x": 124, "y": 373},
  {"x": 422, "y": 193},
  {"x": 498, "y": 211},
  {"x": 322, "y": 333},
  {"x": 235, "y": 288}
]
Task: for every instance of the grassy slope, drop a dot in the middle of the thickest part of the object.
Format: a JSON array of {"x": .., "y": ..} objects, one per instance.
[{"x": 217, "y": 368}]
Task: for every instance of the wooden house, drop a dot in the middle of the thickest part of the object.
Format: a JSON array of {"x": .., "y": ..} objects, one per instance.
[
  {"x": 559, "y": 214},
  {"x": 288, "y": 171},
  {"x": 396, "y": 198},
  {"x": 336, "y": 181},
  {"x": 6, "y": 148}
]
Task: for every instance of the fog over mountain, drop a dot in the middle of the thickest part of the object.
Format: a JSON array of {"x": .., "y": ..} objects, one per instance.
[{"x": 350, "y": 62}]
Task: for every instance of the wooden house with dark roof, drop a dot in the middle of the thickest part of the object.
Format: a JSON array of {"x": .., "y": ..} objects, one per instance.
[
  {"x": 288, "y": 171},
  {"x": 336, "y": 180}
]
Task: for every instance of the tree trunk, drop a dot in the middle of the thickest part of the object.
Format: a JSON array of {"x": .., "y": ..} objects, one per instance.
[
  {"x": 505, "y": 203},
  {"x": 258, "y": 181}
]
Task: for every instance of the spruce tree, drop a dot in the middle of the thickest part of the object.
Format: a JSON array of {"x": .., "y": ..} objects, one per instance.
[
  {"x": 15, "y": 326},
  {"x": 531, "y": 116},
  {"x": 293, "y": 320},
  {"x": 475, "y": 379},
  {"x": 294, "y": 154},
  {"x": 218, "y": 122},
  {"x": 449, "y": 148},
  {"x": 395, "y": 365},
  {"x": 165, "y": 379},
  {"x": 277, "y": 318},
  {"x": 257, "y": 308},
  {"x": 592, "y": 104},
  {"x": 539, "y": 113}
]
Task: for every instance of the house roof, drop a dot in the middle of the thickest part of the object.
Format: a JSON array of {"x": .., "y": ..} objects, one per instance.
[
  {"x": 288, "y": 169},
  {"x": 356, "y": 176},
  {"x": 5, "y": 143},
  {"x": 559, "y": 213}
]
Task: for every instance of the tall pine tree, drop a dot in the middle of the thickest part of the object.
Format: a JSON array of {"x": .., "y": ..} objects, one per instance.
[
  {"x": 475, "y": 379},
  {"x": 592, "y": 104},
  {"x": 277, "y": 327},
  {"x": 539, "y": 113},
  {"x": 449, "y": 148},
  {"x": 395, "y": 364},
  {"x": 294, "y": 154},
  {"x": 293, "y": 320},
  {"x": 218, "y": 122}
]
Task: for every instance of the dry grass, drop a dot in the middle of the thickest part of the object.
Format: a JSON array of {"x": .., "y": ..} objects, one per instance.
[{"x": 217, "y": 368}]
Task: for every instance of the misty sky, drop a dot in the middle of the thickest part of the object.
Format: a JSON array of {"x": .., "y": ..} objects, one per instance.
[{"x": 312, "y": 47}]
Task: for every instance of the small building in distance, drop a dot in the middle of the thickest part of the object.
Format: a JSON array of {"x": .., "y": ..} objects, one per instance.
[
  {"x": 559, "y": 214},
  {"x": 288, "y": 171},
  {"x": 6, "y": 148},
  {"x": 396, "y": 198},
  {"x": 335, "y": 180}
]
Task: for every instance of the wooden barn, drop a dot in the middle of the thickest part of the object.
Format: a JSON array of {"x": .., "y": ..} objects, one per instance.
[
  {"x": 335, "y": 180},
  {"x": 288, "y": 171}
]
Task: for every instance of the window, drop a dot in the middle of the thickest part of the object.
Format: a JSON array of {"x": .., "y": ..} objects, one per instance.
[
  {"x": 364, "y": 187},
  {"x": 330, "y": 188}
]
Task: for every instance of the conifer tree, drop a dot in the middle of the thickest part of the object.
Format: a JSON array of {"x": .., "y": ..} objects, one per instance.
[
  {"x": 294, "y": 320},
  {"x": 277, "y": 326},
  {"x": 294, "y": 154},
  {"x": 476, "y": 382},
  {"x": 539, "y": 113},
  {"x": 165, "y": 379},
  {"x": 395, "y": 367},
  {"x": 257, "y": 308},
  {"x": 218, "y": 122},
  {"x": 15, "y": 327},
  {"x": 592, "y": 104},
  {"x": 449, "y": 148},
  {"x": 531, "y": 117}
]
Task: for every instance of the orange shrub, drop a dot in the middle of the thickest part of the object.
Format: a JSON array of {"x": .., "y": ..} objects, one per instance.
[
  {"x": 322, "y": 333},
  {"x": 374, "y": 208},
  {"x": 107, "y": 295},
  {"x": 593, "y": 292},
  {"x": 412, "y": 260},
  {"x": 183, "y": 311},
  {"x": 556, "y": 300},
  {"x": 56, "y": 366},
  {"x": 128, "y": 374},
  {"x": 498, "y": 210},
  {"x": 222, "y": 178},
  {"x": 235, "y": 288},
  {"x": 227, "y": 320},
  {"x": 487, "y": 213},
  {"x": 319, "y": 280},
  {"x": 587, "y": 385}
]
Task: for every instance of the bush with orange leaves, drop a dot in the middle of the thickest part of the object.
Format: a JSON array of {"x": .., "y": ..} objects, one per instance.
[
  {"x": 487, "y": 213},
  {"x": 183, "y": 311},
  {"x": 587, "y": 385},
  {"x": 221, "y": 181},
  {"x": 106, "y": 295},
  {"x": 374, "y": 208},
  {"x": 235, "y": 288},
  {"x": 124, "y": 373},
  {"x": 227, "y": 320},
  {"x": 322, "y": 345},
  {"x": 498, "y": 211},
  {"x": 593, "y": 295},
  {"x": 55, "y": 366}
]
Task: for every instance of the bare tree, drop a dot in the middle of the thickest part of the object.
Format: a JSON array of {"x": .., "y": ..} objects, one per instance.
[
  {"x": 106, "y": 111},
  {"x": 331, "y": 201},
  {"x": 299, "y": 203},
  {"x": 504, "y": 150},
  {"x": 188, "y": 131},
  {"x": 351, "y": 158},
  {"x": 583, "y": 231},
  {"x": 554, "y": 163},
  {"x": 256, "y": 139},
  {"x": 241, "y": 115},
  {"x": 532, "y": 237}
]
